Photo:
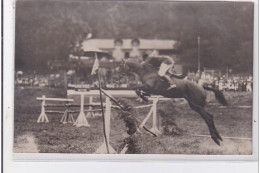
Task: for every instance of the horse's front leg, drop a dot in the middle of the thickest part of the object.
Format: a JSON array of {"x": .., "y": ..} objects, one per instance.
[{"x": 142, "y": 92}]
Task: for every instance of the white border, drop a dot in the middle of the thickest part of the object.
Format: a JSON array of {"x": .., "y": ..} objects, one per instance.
[{"x": 8, "y": 96}]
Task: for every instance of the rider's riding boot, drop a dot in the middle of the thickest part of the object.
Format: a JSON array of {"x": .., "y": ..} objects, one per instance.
[{"x": 172, "y": 84}]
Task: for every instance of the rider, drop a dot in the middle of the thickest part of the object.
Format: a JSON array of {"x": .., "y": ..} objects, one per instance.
[{"x": 166, "y": 64}]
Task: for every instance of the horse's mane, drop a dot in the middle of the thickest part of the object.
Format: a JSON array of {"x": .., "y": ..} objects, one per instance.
[
  {"x": 146, "y": 67},
  {"x": 154, "y": 61}
]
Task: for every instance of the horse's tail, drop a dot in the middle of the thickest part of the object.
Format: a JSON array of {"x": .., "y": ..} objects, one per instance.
[{"x": 218, "y": 94}]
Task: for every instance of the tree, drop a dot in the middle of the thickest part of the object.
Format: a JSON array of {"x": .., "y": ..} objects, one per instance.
[
  {"x": 49, "y": 35},
  {"x": 52, "y": 30}
]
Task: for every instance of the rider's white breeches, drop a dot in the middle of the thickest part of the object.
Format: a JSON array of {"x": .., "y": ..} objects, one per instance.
[{"x": 164, "y": 68}]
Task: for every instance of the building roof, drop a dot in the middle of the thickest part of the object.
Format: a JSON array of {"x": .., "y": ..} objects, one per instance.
[{"x": 145, "y": 44}]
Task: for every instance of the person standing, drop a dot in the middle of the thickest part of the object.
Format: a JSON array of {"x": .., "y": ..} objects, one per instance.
[
  {"x": 118, "y": 53},
  {"x": 135, "y": 53}
]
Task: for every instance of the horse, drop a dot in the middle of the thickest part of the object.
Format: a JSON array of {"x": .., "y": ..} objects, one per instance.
[{"x": 190, "y": 91}]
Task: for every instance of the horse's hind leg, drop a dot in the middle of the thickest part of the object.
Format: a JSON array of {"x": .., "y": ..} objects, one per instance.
[{"x": 208, "y": 118}]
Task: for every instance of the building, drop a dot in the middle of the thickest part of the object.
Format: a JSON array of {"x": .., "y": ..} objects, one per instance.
[
  {"x": 119, "y": 49},
  {"x": 112, "y": 51},
  {"x": 163, "y": 46}
]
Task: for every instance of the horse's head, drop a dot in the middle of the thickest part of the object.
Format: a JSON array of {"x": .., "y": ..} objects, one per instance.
[
  {"x": 128, "y": 67},
  {"x": 124, "y": 68}
]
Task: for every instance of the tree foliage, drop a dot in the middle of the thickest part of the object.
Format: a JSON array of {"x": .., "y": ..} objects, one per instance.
[{"x": 52, "y": 30}]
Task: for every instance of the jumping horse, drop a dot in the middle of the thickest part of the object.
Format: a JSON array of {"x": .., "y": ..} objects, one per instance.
[{"x": 193, "y": 93}]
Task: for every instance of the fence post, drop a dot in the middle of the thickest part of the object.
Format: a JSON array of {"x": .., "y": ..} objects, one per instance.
[
  {"x": 43, "y": 116},
  {"x": 103, "y": 149},
  {"x": 82, "y": 120},
  {"x": 67, "y": 116},
  {"x": 154, "y": 128},
  {"x": 146, "y": 118},
  {"x": 90, "y": 113}
]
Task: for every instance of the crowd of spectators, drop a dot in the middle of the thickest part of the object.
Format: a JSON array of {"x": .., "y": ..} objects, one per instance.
[
  {"x": 38, "y": 80},
  {"x": 223, "y": 83}
]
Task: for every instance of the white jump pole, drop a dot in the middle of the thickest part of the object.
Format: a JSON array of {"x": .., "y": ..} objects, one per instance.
[
  {"x": 64, "y": 118},
  {"x": 43, "y": 116},
  {"x": 67, "y": 117},
  {"x": 71, "y": 119},
  {"x": 153, "y": 111},
  {"x": 81, "y": 120},
  {"x": 146, "y": 118},
  {"x": 90, "y": 113},
  {"x": 103, "y": 149},
  {"x": 154, "y": 128}
]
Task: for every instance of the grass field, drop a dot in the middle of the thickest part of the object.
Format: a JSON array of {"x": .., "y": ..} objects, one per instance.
[{"x": 55, "y": 137}]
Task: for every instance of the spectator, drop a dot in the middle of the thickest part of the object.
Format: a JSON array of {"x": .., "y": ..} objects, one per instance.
[
  {"x": 135, "y": 54},
  {"x": 118, "y": 53}
]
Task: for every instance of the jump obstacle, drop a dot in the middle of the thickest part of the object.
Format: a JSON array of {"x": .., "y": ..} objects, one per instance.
[
  {"x": 119, "y": 93},
  {"x": 66, "y": 116},
  {"x": 82, "y": 118},
  {"x": 67, "y": 113}
]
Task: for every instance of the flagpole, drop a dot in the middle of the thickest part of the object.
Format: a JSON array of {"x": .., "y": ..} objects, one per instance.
[{"x": 102, "y": 109}]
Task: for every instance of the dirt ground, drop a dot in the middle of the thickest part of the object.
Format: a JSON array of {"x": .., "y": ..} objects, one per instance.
[{"x": 55, "y": 137}]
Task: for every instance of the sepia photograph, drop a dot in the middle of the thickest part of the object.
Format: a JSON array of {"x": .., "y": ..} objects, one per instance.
[{"x": 134, "y": 77}]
